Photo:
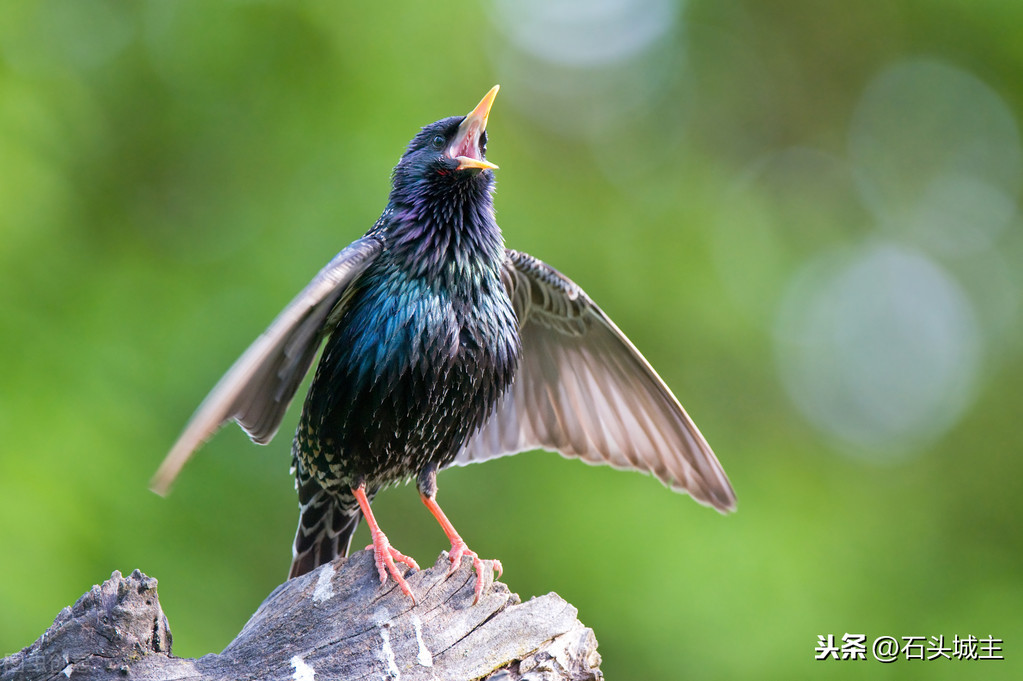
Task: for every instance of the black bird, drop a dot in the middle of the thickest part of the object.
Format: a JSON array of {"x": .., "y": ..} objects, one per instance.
[{"x": 444, "y": 348}]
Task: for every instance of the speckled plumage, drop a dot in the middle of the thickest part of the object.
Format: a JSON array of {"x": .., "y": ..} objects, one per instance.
[
  {"x": 426, "y": 345},
  {"x": 444, "y": 348}
]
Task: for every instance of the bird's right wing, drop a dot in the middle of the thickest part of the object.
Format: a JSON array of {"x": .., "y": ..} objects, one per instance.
[{"x": 257, "y": 390}]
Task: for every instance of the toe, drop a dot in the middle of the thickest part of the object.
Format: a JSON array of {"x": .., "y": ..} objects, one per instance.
[{"x": 402, "y": 558}]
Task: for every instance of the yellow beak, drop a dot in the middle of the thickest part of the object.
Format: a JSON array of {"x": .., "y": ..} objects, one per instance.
[{"x": 465, "y": 147}]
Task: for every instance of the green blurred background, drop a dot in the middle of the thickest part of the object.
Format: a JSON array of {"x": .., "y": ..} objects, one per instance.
[{"x": 804, "y": 213}]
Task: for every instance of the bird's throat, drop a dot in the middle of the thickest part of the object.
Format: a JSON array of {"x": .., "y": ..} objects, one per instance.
[{"x": 447, "y": 238}]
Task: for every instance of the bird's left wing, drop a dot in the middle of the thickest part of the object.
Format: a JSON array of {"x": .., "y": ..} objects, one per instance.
[
  {"x": 257, "y": 390},
  {"x": 584, "y": 390}
]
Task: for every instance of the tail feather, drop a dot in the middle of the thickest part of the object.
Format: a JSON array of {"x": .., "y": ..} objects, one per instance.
[{"x": 325, "y": 526}]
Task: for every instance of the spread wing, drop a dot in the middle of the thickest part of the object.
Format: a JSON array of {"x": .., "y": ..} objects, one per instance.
[
  {"x": 584, "y": 390},
  {"x": 257, "y": 390}
]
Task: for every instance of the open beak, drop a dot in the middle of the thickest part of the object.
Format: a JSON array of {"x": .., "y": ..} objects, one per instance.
[{"x": 465, "y": 148}]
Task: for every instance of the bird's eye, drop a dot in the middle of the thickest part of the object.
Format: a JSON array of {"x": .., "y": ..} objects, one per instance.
[{"x": 438, "y": 142}]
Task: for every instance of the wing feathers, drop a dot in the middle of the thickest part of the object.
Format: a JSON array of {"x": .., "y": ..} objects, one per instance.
[
  {"x": 256, "y": 391},
  {"x": 584, "y": 390}
]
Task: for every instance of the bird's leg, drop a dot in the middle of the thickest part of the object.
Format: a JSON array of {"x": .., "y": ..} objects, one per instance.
[
  {"x": 384, "y": 554},
  {"x": 428, "y": 493}
]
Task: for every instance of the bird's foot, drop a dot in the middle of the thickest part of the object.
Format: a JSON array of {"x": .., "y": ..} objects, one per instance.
[
  {"x": 386, "y": 556},
  {"x": 460, "y": 549}
]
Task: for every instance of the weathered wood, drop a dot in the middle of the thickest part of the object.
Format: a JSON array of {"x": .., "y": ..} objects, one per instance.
[{"x": 336, "y": 622}]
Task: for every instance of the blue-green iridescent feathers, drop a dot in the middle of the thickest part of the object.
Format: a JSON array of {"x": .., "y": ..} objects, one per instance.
[
  {"x": 444, "y": 348},
  {"x": 426, "y": 344}
]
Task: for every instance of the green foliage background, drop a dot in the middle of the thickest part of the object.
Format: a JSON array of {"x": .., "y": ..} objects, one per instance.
[{"x": 172, "y": 172}]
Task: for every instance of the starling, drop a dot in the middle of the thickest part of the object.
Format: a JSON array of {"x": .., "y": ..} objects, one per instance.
[{"x": 444, "y": 348}]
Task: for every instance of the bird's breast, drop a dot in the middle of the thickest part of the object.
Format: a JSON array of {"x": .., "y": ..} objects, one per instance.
[
  {"x": 403, "y": 322},
  {"x": 411, "y": 371}
]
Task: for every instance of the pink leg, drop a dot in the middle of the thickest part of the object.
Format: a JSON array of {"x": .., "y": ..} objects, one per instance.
[
  {"x": 384, "y": 554},
  {"x": 459, "y": 548}
]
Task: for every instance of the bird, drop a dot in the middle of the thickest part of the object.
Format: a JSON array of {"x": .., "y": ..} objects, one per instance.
[{"x": 443, "y": 347}]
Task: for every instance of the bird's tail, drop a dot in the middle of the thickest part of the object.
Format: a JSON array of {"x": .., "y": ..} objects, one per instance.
[{"x": 325, "y": 525}]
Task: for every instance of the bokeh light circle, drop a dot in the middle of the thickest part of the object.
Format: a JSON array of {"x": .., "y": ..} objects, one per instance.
[
  {"x": 879, "y": 347},
  {"x": 937, "y": 156},
  {"x": 584, "y": 32}
]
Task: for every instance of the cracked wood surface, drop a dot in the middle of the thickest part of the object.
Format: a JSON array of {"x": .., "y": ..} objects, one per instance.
[{"x": 337, "y": 622}]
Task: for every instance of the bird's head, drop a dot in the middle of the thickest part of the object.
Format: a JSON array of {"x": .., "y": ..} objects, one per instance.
[{"x": 448, "y": 153}]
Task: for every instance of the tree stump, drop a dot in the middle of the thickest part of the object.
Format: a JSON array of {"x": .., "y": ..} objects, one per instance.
[{"x": 336, "y": 622}]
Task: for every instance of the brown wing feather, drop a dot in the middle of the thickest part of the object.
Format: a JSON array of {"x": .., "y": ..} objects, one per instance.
[
  {"x": 258, "y": 388},
  {"x": 584, "y": 390}
]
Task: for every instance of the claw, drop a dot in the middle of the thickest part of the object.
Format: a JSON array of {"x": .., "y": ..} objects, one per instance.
[
  {"x": 386, "y": 557},
  {"x": 384, "y": 554},
  {"x": 458, "y": 551},
  {"x": 459, "y": 548}
]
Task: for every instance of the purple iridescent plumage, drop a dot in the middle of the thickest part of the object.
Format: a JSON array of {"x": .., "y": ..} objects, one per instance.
[{"x": 444, "y": 348}]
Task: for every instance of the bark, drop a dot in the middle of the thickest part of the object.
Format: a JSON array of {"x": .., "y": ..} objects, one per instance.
[{"x": 336, "y": 622}]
